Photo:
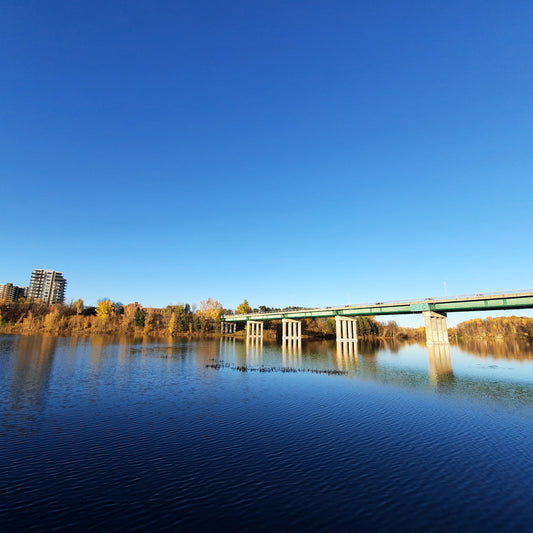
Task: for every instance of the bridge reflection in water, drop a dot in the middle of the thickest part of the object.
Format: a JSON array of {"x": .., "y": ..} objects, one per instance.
[
  {"x": 291, "y": 350},
  {"x": 254, "y": 351},
  {"x": 440, "y": 364},
  {"x": 347, "y": 356}
]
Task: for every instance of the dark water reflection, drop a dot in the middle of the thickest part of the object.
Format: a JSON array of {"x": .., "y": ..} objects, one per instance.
[{"x": 122, "y": 434}]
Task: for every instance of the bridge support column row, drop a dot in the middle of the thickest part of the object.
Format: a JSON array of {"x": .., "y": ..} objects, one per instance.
[
  {"x": 228, "y": 328},
  {"x": 346, "y": 328},
  {"x": 436, "y": 328},
  {"x": 254, "y": 330},
  {"x": 291, "y": 329}
]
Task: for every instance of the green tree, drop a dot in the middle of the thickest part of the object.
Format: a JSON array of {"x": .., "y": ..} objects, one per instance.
[
  {"x": 182, "y": 317},
  {"x": 367, "y": 326},
  {"x": 199, "y": 323},
  {"x": 139, "y": 318}
]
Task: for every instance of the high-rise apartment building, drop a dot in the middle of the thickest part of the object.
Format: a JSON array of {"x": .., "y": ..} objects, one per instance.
[{"x": 47, "y": 286}]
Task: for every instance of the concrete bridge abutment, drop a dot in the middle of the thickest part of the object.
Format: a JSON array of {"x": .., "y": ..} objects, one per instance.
[{"x": 436, "y": 328}]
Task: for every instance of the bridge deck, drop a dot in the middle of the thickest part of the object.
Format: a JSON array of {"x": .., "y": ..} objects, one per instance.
[{"x": 478, "y": 302}]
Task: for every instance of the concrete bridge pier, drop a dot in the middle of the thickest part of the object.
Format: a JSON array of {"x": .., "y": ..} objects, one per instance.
[
  {"x": 254, "y": 329},
  {"x": 291, "y": 330},
  {"x": 346, "y": 328},
  {"x": 228, "y": 328},
  {"x": 436, "y": 328}
]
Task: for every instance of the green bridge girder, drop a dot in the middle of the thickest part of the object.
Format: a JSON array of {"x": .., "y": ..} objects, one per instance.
[{"x": 478, "y": 302}]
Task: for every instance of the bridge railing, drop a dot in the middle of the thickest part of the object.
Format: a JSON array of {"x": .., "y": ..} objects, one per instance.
[{"x": 479, "y": 296}]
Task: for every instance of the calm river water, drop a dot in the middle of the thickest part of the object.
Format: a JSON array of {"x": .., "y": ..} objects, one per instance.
[{"x": 111, "y": 434}]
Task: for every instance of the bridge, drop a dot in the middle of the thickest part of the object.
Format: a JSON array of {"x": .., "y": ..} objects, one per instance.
[{"x": 434, "y": 311}]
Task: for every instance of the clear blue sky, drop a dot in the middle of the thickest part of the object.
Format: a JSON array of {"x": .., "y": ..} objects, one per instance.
[{"x": 291, "y": 153}]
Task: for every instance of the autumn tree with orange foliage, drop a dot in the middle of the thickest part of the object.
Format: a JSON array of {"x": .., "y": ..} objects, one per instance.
[
  {"x": 210, "y": 309},
  {"x": 505, "y": 326}
]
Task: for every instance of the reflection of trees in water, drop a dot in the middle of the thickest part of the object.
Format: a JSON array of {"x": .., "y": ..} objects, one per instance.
[
  {"x": 504, "y": 348},
  {"x": 320, "y": 350},
  {"x": 33, "y": 367},
  {"x": 124, "y": 347},
  {"x": 38, "y": 347},
  {"x": 370, "y": 348},
  {"x": 240, "y": 353},
  {"x": 98, "y": 344},
  {"x": 205, "y": 352}
]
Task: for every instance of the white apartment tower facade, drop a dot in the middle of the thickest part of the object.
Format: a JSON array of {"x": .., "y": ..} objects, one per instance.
[{"x": 47, "y": 286}]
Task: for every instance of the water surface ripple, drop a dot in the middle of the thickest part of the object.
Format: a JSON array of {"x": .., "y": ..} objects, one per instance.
[{"x": 121, "y": 435}]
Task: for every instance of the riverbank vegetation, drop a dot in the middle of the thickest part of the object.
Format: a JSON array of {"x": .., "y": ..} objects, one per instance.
[
  {"x": 110, "y": 318},
  {"x": 493, "y": 328},
  {"x": 185, "y": 320}
]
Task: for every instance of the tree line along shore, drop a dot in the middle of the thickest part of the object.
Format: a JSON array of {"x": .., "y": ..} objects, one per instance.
[{"x": 184, "y": 320}]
